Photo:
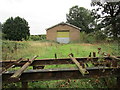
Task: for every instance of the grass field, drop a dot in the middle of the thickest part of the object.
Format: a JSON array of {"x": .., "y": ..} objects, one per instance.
[
  {"x": 16, "y": 50},
  {"x": 27, "y": 49}
]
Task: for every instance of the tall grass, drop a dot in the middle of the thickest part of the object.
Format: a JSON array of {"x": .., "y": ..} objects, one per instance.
[
  {"x": 28, "y": 49},
  {"x": 89, "y": 83}
]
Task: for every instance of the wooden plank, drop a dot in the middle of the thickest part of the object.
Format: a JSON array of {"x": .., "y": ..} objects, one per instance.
[
  {"x": 11, "y": 65},
  {"x": 19, "y": 72},
  {"x": 115, "y": 58},
  {"x": 81, "y": 69}
]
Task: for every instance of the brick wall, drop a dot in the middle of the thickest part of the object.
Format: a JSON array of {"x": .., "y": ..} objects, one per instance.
[{"x": 74, "y": 33}]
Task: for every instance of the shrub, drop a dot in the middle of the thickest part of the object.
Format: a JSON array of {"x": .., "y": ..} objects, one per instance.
[
  {"x": 9, "y": 47},
  {"x": 37, "y": 37},
  {"x": 93, "y": 37},
  {"x": 83, "y": 37},
  {"x": 90, "y": 39},
  {"x": 100, "y": 36}
]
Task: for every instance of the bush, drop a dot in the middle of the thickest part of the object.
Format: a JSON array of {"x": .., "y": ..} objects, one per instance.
[
  {"x": 100, "y": 36},
  {"x": 83, "y": 37},
  {"x": 87, "y": 38},
  {"x": 37, "y": 37},
  {"x": 93, "y": 37},
  {"x": 90, "y": 39},
  {"x": 10, "y": 47}
]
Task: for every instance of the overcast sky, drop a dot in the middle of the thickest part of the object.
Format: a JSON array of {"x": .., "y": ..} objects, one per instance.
[{"x": 40, "y": 14}]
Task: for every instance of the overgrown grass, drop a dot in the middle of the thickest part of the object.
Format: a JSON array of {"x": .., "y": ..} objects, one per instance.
[
  {"x": 92, "y": 83},
  {"x": 28, "y": 49}
]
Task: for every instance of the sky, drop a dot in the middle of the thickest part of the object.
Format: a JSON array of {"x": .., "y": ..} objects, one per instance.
[{"x": 40, "y": 14}]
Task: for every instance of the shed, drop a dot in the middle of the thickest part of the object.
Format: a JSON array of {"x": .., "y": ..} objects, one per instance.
[{"x": 63, "y": 33}]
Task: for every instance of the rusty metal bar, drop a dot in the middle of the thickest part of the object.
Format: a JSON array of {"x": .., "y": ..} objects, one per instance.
[
  {"x": 52, "y": 61},
  {"x": 38, "y": 67},
  {"x": 59, "y": 74},
  {"x": 10, "y": 65},
  {"x": 81, "y": 69},
  {"x": 19, "y": 72}
]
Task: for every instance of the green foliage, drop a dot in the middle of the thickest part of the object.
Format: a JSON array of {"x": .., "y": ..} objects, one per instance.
[
  {"x": 0, "y": 31},
  {"x": 0, "y": 26},
  {"x": 81, "y": 17},
  {"x": 11, "y": 85},
  {"x": 28, "y": 49},
  {"x": 37, "y": 37},
  {"x": 42, "y": 37},
  {"x": 90, "y": 38},
  {"x": 3, "y": 36},
  {"x": 10, "y": 47},
  {"x": 97, "y": 36},
  {"x": 93, "y": 37},
  {"x": 100, "y": 36},
  {"x": 83, "y": 37},
  {"x": 16, "y": 29},
  {"x": 89, "y": 83},
  {"x": 34, "y": 37},
  {"x": 109, "y": 17}
]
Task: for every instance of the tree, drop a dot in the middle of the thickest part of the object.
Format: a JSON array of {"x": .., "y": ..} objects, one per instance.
[
  {"x": 109, "y": 17},
  {"x": 16, "y": 29},
  {"x": 0, "y": 30},
  {"x": 81, "y": 17},
  {"x": 0, "y": 27}
]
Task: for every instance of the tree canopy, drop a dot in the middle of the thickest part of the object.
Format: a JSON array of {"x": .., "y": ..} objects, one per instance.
[
  {"x": 0, "y": 25},
  {"x": 108, "y": 14},
  {"x": 16, "y": 29},
  {"x": 0, "y": 30},
  {"x": 81, "y": 17}
]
